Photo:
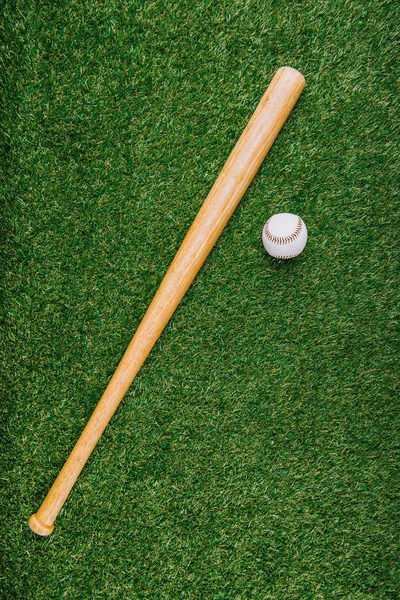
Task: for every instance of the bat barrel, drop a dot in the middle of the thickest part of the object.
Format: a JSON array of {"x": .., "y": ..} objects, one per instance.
[{"x": 233, "y": 181}]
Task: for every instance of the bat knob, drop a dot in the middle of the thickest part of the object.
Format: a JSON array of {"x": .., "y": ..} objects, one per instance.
[{"x": 39, "y": 527}]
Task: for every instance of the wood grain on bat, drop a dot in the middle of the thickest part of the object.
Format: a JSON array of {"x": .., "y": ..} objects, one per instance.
[{"x": 232, "y": 182}]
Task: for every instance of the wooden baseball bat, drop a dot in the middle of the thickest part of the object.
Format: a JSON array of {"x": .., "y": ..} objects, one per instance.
[{"x": 232, "y": 182}]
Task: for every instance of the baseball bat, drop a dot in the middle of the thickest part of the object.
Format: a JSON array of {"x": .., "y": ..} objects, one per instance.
[{"x": 232, "y": 182}]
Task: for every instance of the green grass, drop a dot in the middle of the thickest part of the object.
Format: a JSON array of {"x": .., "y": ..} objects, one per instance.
[{"x": 255, "y": 456}]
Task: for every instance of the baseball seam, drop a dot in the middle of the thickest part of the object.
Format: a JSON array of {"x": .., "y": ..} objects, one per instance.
[
  {"x": 283, "y": 240},
  {"x": 289, "y": 256}
]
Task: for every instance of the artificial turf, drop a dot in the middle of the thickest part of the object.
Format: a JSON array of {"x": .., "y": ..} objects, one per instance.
[{"x": 255, "y": 456}]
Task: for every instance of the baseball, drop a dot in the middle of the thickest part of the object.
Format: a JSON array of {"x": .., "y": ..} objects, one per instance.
[{"x": 284, "y": 235}]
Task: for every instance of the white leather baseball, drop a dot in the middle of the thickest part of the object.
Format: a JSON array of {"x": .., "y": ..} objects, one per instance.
[{"x": 284, "y": 235}]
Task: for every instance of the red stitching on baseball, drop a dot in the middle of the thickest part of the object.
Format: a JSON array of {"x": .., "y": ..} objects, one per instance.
[
  {"x": 289, "y": 256},
  {"x": 283, "y": 240}
]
